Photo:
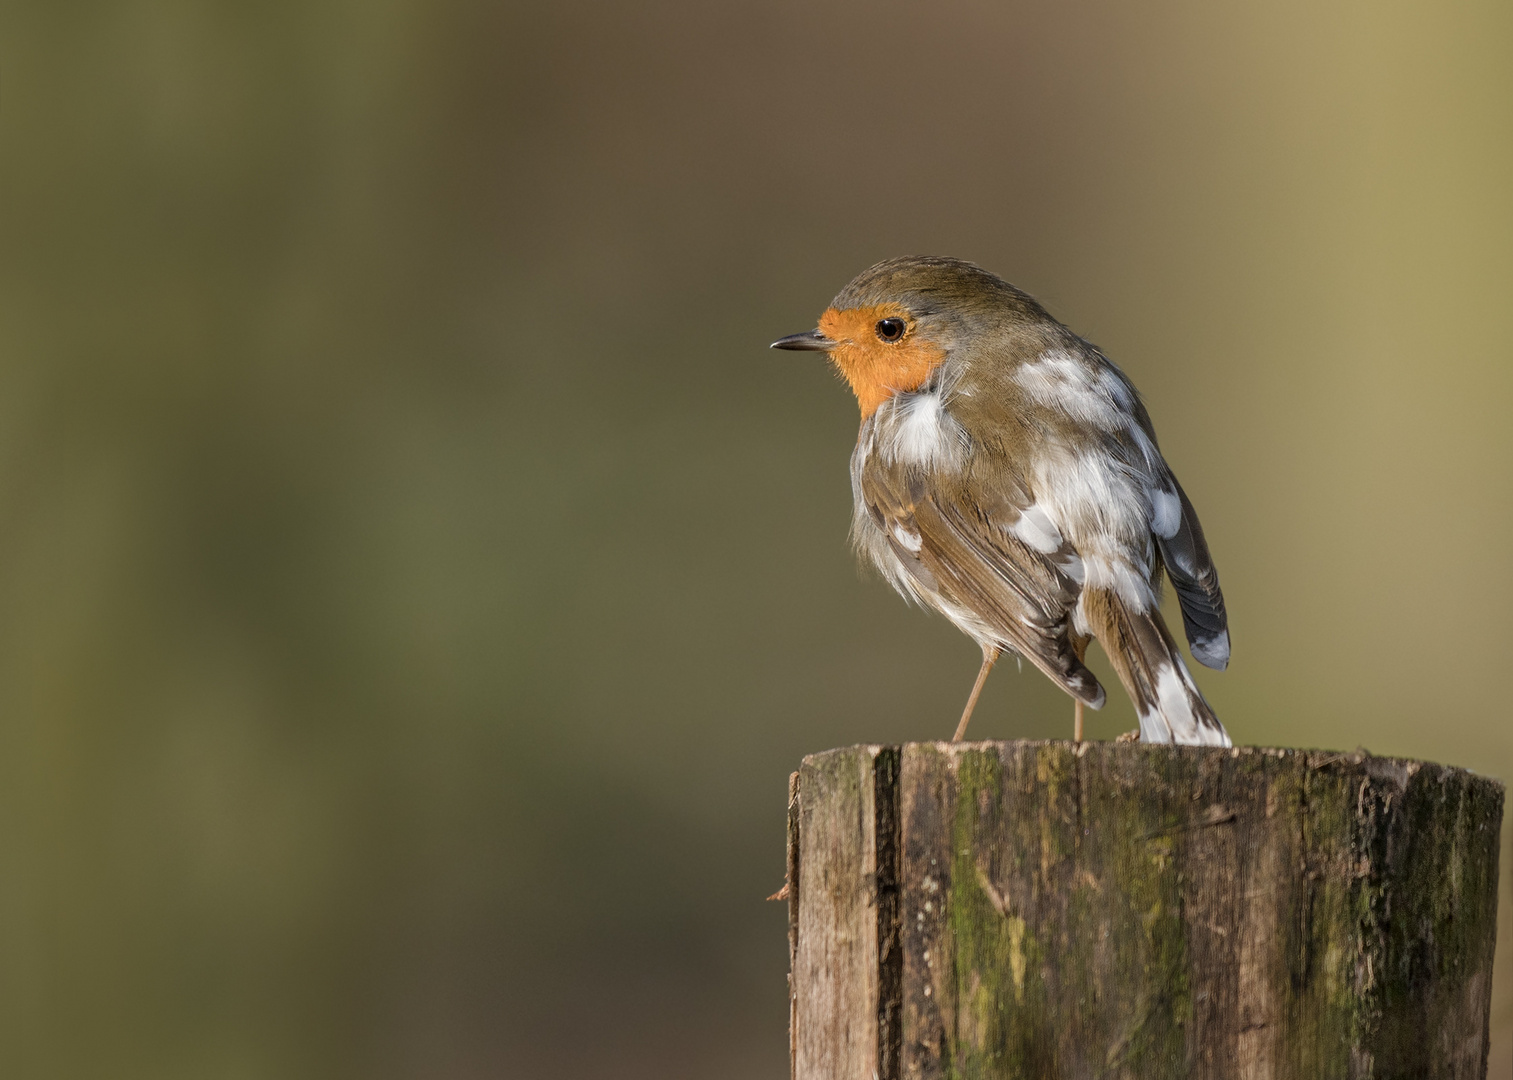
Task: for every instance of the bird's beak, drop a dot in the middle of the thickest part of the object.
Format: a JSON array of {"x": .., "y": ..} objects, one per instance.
[{"x": 808, "y": 341}]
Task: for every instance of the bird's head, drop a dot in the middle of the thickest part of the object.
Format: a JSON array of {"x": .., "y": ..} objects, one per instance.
[{"x": 898, "y": 321}]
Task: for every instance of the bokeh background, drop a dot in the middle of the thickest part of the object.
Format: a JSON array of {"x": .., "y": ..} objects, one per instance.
[{"x": 417, "y": 579}]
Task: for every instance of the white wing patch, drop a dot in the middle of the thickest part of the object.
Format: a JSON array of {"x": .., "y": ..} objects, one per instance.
[
  {"x": 1166, "y": 511},
  {"x": 1105, "y": 503},
  {"x": 1059, "y": 380},
  {"x": 910, "y": 540},
  {"x": 1036, "y": 530},
  {"x": 1109, "y": 569},
  {"x": 1088, "y": 493}
]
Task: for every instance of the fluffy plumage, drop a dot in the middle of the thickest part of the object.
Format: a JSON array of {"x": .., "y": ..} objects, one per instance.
[{"x": 1007, "y": 475}]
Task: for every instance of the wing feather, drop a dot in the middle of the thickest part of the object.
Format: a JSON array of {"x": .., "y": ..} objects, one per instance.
[{"x": 964, "y": 559}]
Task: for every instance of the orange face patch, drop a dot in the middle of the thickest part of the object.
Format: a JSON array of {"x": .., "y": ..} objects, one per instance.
[{"x": 877, "y": 369}]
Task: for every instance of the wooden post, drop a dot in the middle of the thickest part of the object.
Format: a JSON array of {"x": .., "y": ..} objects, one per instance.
[{"x": 1063, "y": 910}]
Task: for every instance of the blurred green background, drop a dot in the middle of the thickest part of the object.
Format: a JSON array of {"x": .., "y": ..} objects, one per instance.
[{"x": 418, "y": 578}]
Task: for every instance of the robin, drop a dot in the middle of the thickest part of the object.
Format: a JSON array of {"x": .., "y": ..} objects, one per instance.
[{"x": 1007, "y": 475}]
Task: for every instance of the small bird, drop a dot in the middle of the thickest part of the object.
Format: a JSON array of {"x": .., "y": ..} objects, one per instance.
[{"x": 1007, "y": 475}]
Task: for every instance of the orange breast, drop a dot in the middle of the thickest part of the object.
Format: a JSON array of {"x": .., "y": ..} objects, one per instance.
[{"x": 875, "y": 369}]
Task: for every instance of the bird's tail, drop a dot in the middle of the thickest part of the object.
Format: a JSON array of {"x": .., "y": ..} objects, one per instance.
[{"x": 1171, "y": 708}]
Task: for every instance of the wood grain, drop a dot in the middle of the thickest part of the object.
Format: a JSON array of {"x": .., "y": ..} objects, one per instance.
[
  {"x": 1050, "y": 909},
  {"x": 836, "y": 961}
]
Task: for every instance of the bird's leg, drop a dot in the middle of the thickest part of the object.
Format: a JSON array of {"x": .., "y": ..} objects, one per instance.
[
  {"x": 989, "y": 655},
  {"x": 1077, "y": 720}
]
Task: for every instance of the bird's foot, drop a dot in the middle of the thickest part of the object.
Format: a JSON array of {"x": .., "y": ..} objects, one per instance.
[{"x": 1129, "y": 736}]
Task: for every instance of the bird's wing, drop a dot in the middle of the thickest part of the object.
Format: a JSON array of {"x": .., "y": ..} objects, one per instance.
[{"x": 970, "y": 552}]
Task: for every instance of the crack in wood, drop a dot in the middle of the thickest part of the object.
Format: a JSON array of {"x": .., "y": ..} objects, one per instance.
[{"x": 1050, "y": 910}]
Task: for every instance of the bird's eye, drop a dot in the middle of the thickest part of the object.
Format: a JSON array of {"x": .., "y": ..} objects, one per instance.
[{"x": 891, "y": 329}]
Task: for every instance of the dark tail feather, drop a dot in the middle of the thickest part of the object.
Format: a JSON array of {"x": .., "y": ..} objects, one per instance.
[
  {"x": 1191, "y": 569},
  {"x": 1171, "y": 708}
]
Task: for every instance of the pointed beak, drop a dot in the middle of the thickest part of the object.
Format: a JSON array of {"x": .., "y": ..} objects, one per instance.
[{"x": 808, "y": 341}]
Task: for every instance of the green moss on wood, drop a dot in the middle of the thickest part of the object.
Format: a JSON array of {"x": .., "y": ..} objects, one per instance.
[{"x": 1140, "y": 912}]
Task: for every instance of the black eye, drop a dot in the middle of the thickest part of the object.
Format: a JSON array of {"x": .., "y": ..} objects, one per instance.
[{"x": 891, "y": 329}]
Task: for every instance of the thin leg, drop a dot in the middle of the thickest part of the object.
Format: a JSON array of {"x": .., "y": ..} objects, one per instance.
[
  {"x": 989, "y": 655},
  {"x": 1077, "y": 721}
]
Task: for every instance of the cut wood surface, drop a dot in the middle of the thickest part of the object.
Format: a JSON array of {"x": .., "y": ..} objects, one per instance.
[{"x": 1054, "y": 909}]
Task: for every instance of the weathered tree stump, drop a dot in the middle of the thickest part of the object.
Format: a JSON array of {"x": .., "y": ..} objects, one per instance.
[{"x": 1059, "y": 910}]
